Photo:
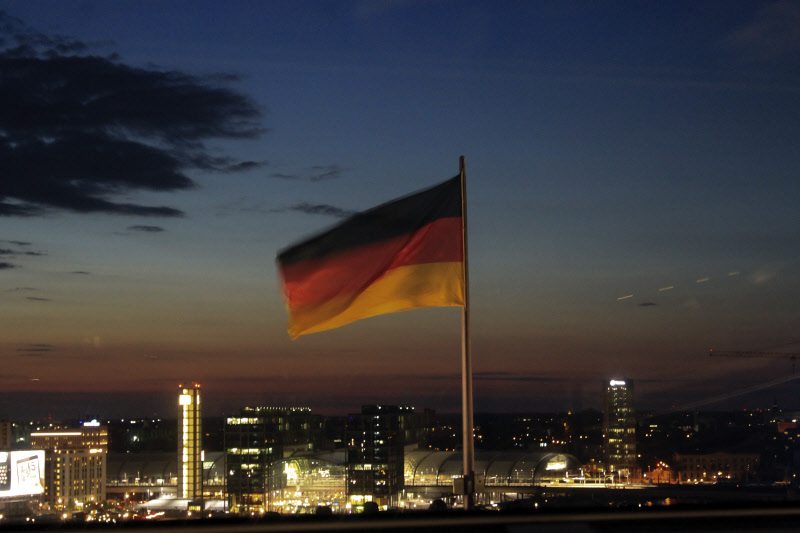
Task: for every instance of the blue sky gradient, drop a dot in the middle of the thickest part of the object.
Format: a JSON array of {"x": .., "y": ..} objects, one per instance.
[{"x": 612, "y": 149}]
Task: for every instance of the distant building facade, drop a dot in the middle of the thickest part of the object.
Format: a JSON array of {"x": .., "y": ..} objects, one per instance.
[
  {"x": 717, "y": 467},
  {"x": 619, "y": 428},
  {"x": 75, "y": 465},
  {"x": 292, "y": 426},
  {"x": 135, "y": 435},
  {"x": 6, "y": 434},
  {"x": 190, "y": 446},
  {"x": 252, "y": 453},
  {"x": 415, "y": 426},
  {"x": 375, "y": 454}
]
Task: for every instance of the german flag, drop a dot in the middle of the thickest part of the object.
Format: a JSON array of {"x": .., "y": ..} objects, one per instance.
[{"x": 403, "y": 254}]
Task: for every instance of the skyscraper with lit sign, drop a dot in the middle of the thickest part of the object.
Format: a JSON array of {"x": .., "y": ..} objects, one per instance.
[
  {"x": 619, "y": 428},
  {"x": 190, "y": 446}
]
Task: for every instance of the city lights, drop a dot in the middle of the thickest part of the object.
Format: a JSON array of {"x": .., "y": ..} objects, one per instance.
[{"x": 246, "y": 280}]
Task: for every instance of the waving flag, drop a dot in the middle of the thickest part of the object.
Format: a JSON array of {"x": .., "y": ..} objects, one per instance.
[{"x": 403, "y": 254}]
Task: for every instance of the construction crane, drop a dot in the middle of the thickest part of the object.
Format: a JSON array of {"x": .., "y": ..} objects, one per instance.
[{"x": 757, "y": 354}]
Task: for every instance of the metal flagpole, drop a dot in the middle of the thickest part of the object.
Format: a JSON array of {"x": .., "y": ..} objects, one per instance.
[{"x": 466, "y": 359}]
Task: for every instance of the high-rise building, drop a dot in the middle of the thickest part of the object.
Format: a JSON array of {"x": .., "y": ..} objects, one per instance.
[
  {"x": 252, "y": 454},
  {"x": 190, "y": 446},
  {"x": 619, "y": 428},
  {"x": 375, "y": 455},
  {"x": 293, "y": 426},
  {"x": 75, "y": 465},
  {"x": 132, "y": 435}
]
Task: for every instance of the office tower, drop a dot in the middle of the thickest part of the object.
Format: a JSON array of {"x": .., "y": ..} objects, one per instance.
[
  {"x": 75, "y": 465},
  {"x": 294, "y": 427},
  {"x": 375, "y": 455},
  {"x": 252, "y": 453},
  {"x": 415, "y": 426},
  {"x": 190, "y": 446},
  {"x": 619, "y": 428}
]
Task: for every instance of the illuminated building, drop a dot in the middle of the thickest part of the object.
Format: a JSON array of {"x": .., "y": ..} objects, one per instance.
[
  {"x": 716, "y": 467},
  {"x": 252, "y": 454},
  {"x": 619, "y": 428},
  {"x": 430, "y": 475},
  {"x": 75, "y": 465},
  {"x": 375, "y": 455},
  {"x": 190, "y": 447},
  {"x": 147, "y": 475},
  {"x": 292, "y": 426},
  {"x": 310, "y": 479}
]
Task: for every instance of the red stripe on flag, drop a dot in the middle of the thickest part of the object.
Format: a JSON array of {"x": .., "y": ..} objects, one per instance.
[{"x": 316, "y": 281}]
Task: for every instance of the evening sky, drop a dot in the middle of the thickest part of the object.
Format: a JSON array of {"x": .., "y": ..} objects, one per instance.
[{"x": 613, "y": 149}]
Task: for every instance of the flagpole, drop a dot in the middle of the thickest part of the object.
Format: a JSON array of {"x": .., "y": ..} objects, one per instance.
[{"x": 466, "y": 359}]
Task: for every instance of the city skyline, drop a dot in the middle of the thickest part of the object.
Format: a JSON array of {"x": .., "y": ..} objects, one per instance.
[
  {"x": 292, "y": 461},
  {"x": 632, "y": 200}
]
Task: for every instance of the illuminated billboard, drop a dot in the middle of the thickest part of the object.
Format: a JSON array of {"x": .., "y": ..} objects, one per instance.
[{"x": 21, "y": 473}]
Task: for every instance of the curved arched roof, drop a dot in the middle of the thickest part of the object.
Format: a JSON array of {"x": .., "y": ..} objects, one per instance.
[
  {"x": 423, "y": 467},
  {"x": 336, "y": 457},
  {"x": 155, "y": 465}
]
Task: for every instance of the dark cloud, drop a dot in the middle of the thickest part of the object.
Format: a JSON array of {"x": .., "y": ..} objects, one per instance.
[
  {"x": 6, "y": 266},
  {"x": 647, "y": 304},
  {"x": 21, "y": 289},
  {"x": 315, "y": 174},
  {"x": 81, "y": 272},
  {"x": 35, "y": 350},
  {"x": 146, "y": 229},
  {"x": 17, "y": 243},
  {"x": 321, "y": 209},
  {"x": 7, "y": 251},
  {"x": 325, "y": 172},
  {"x": 244, "y": 165},
  {"x": 19, "y": 210},
  {"x": 37, "y": 299},
  {"x": 78, "y": 130}
]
